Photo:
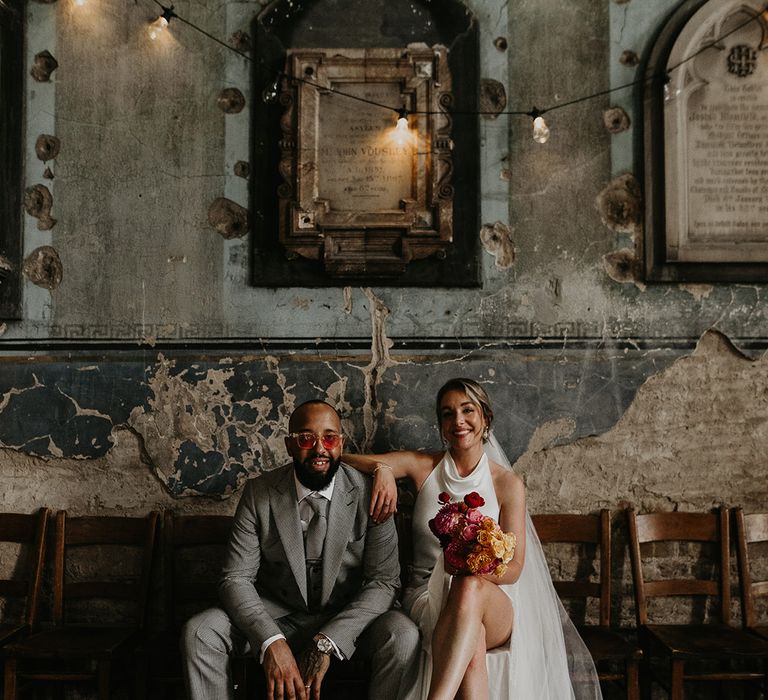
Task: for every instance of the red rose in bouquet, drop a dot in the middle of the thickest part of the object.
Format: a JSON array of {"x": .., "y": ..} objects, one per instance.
[{"x": 473, "y": 543}]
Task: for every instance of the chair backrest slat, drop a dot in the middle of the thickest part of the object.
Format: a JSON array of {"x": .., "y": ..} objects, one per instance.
[
  {"x": 183, "y": 534},
  {"x": 13, "y": 588},
  {"x": 107, "y": 590},
  {"x": 87, "y": 531},
  {"x": 680, "y": 527},
  {"x": 750, "y": 529},
  {"x": 24, "y": 529},
  {"x": 581, "y": 529}
]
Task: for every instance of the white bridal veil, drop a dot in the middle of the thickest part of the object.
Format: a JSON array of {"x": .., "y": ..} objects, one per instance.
[{"x": 548, "y": 659}]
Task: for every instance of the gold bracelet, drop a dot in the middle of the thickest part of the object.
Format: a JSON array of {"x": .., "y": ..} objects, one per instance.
[{"x": 381, "y": 466}]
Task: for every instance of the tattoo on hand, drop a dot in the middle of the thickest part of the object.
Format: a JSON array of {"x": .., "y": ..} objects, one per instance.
[{"x": 312, "y": 662}]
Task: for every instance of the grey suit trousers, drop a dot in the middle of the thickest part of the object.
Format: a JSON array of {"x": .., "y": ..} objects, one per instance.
[{"x": 391, "y": 644}]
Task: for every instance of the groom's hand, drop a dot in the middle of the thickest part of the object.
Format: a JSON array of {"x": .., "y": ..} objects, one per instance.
[
  {"x": 283, "y": 678},
  {"x": 313, "y": 665}
]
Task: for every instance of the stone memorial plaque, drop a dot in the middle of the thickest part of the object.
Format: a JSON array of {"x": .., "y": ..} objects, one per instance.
[
  {"x": 716, "y": 137},
  {"x": 359, "y": 194},
  {"x": 363, "y": 163}
]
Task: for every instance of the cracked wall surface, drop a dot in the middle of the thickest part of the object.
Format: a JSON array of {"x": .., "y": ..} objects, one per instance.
[{"x": 630, "y": 423}]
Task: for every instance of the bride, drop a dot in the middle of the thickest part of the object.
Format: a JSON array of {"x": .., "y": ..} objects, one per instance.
[{"x": 505, "y": 637}]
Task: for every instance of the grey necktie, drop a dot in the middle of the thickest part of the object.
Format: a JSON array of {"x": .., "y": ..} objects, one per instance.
[
  {"x": 313, "y": 546},
  {"x": 316, "y": 528}
]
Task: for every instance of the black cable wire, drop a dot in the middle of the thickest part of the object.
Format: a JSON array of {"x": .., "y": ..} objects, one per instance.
[{"x": 168, "y": 13}]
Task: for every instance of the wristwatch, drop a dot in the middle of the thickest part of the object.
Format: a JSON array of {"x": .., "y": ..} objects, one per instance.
[{"x": 324, "y": 645}]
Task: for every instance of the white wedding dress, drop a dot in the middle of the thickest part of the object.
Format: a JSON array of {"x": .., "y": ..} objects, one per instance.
[{"x": 545, "y": 651}]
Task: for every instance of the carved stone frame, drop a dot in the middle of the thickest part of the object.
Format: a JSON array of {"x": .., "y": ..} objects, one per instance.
[
  {"x": 664, "y": 168},
  {"x": 366, "y": 242}
]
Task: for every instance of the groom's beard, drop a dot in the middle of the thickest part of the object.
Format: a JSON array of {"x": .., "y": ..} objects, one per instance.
[{"x": 313, "y": 480}]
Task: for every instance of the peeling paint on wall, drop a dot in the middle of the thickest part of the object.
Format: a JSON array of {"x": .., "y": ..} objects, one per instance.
[
  {"x": 203, "y": 440},
  {"x": 694, "y": 437},
  {"x": 698, "y": 291},
  {"x": 373, "y": 372}
]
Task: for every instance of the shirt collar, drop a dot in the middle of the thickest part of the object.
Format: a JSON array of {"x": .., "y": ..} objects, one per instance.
[{"x": 302, "y": 491}]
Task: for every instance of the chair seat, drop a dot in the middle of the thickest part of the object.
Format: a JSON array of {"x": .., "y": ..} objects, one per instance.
[
  {"x": 604, "y": 644},
  {"x": 709, "y": 641},
  {"x": 9, "y": 631},
  {"x": 72, "y": 643}
]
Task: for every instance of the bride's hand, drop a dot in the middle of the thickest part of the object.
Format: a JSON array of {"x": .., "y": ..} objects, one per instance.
[{"x": 384, "y": 495}]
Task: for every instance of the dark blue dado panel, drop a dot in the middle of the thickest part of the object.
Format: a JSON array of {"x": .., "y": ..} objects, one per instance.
[{"x": 207, "y": 422}]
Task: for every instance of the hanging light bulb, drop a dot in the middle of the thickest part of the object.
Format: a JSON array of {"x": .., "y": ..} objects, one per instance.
[
  {"x": 271, "y": 92},
  {"x": 79, "y": 3},
  {"x": 402, "y": 135},
  {"x": 158, "y": 26},
  {"x": 540, "y": 128},
  {"x": 402, "y": 119}
]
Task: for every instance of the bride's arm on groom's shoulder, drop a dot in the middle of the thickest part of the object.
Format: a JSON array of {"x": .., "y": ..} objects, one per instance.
[
  {"x": 510, "y": 492},
  {"x": 386, "y": 468}
]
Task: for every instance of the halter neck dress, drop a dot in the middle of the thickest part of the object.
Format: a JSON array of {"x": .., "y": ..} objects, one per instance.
[{"x": 428, "y": 586}]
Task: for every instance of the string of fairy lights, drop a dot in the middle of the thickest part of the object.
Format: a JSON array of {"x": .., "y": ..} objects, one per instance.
[{"x": 541, "y": 130}]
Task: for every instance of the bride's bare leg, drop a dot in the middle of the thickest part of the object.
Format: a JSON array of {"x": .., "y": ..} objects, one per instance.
[
  {"x": 475, "y": 682},
  {"x": 476, "y": 609}
]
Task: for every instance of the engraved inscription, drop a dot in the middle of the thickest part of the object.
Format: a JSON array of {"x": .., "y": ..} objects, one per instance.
[
  {"x": 728, "y": 162},
  {"x": 364, "y": 162}
]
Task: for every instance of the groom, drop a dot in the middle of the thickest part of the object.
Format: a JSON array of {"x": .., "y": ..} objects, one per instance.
[{"x": 308, "y": 576}]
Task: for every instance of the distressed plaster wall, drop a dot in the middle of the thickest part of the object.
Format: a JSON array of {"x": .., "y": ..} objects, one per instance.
[{"x": 154, "y": 373}]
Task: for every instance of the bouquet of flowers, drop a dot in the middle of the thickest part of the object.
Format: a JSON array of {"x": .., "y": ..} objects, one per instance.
[{"x": 473, "y": 543}]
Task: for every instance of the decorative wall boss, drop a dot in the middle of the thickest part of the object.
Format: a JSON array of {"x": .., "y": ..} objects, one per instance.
[
  {"x": 42, "y": 67},
  {"x": 228, "y": 218},
  {"x": 358, "y": 193},
  {"x": 43, "y": 267},
  {"x": 37, "y": 203},
  {"x": 231, "y": 101},
  {"x": 47, "y": 147}
]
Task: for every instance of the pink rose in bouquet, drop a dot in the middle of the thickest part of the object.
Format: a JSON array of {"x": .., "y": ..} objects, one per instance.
[{"x": 473, "y": 543}]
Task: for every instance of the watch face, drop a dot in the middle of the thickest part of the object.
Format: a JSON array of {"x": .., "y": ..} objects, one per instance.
[{"x": 324, "y": 645}]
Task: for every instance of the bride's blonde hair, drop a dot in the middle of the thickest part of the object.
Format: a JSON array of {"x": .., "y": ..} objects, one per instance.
[{"x": 474, "y": 392}]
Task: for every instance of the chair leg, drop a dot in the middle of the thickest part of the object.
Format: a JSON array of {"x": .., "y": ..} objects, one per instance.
[
  {"x": 9, "y": 680},
  {"x": 633, "y": 687},
  {"x": 103, "y": 679},
  {"x": 141, "y": 661},
  {"x": 676, "y": 691},
  {"x": 646, "y": 678}
]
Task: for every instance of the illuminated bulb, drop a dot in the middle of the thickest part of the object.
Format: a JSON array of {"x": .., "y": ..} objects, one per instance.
[
  {"x": 79, "y": 3},
  {"x": 540, "y": 130},
  {"x": 402, "y": 120},
  {"x": 158, "y": 26},
  {"x": 270, "y": 93},
  {"x": 402, "y": 135}
]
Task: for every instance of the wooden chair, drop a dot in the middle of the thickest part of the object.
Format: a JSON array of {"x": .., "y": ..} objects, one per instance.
[
  {"x": 751, "y": 529},
  {"x": 615, "y": 658},
  {"x": 701, "y": 651},
  {"x": 23, "y": 584},
  {"x": 81, "y": 646},
  {"x": 192, "y": 547}
]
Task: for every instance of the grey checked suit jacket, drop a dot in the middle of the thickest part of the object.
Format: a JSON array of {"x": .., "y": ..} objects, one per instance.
[{"x": 264, "y": 574}]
